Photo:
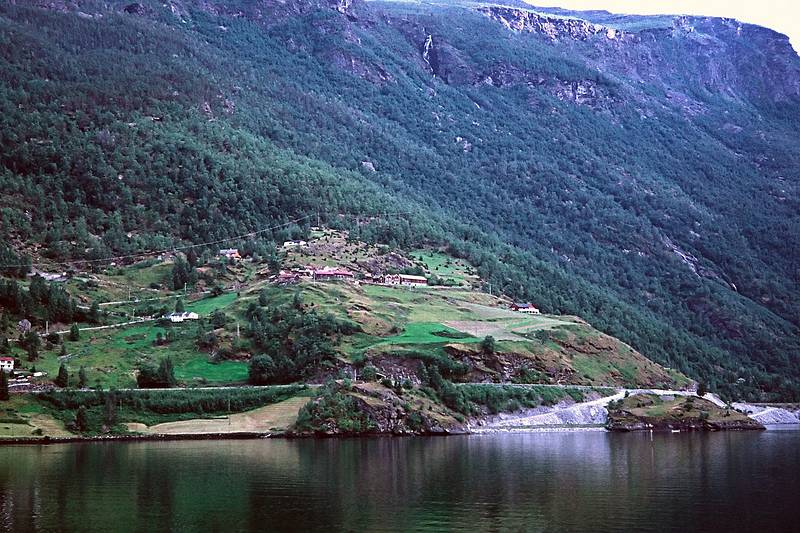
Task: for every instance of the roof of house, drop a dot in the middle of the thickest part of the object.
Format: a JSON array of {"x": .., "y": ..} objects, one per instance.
[
  {"x": 413, "y": 278},
  {"x": 5, "y": 359},
  {"x": 333, "y": 272},
  {"x": 524, "y": 306}
]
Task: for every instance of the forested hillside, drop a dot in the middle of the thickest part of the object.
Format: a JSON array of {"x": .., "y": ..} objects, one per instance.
[{"x": 639, "y": 172}]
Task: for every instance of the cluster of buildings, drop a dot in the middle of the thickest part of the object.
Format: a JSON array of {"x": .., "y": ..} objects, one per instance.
[
  {"x": 288, "y": 277},
  {"x": 230, "y": 253},
  {"x": 181, "y": 317}
]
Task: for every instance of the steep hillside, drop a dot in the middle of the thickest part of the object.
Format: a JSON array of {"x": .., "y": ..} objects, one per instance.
[{"x": 638, "y": 172}]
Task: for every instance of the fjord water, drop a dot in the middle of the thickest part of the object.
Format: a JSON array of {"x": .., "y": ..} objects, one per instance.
[{"x": 575, "y": 481}]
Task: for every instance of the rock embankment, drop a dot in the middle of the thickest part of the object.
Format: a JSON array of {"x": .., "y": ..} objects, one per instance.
[
  {"x": 768, "y": 415},
  {"x": 687, "y": 413}
]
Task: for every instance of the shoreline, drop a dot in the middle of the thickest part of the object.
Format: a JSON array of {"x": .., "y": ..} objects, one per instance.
[{"x": 251, "y": 435}]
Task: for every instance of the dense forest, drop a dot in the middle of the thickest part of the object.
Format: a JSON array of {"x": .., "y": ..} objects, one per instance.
[{"x": 645, "y": 180}]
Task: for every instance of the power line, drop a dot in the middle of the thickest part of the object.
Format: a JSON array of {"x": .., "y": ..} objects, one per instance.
[
  {"x": 189, "y": 246},
  {"x": 166, "y": 250}
]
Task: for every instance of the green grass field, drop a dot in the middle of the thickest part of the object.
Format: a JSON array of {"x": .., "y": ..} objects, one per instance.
[
  {"x": 222, "y": 372},
  {"x": 426, "y": 333},
  {"x": 207, "y": 306},
  {"x": 444, "y": 266}
]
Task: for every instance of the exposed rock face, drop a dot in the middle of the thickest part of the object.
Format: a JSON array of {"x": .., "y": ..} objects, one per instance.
[
  {"x": 769, "y": 415},
  {"x": 554, "y": 28},
  {"x": 134, "y": 9},
  {"x": 583, "y": 92},
  {"x": 389, "y": 413}
]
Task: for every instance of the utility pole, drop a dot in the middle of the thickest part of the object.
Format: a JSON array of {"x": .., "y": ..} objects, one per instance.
[
  {"x": 237, "y": 330},
  {"x": 46, "y": 327}
]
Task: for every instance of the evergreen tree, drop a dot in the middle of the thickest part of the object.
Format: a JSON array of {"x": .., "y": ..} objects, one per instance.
[
  {"x": 33, "y": 352},
  {"x": 3, "y": 385},
  {"x": 62, "y": 380},
  {"x": 74, "y": 332},
  {"x": 488, "y": 344},
  {"x": 179, "y": 306},
  {"x": 110, "y": 409},
  {"x": 191, "y": 258},
  {"x": 219, "y": 319},
  {"x": 297, "y": 301},
  {"x": 166, "y": 372},
  {"x": 157, "y": 377},
  {"x": 94, "y": 313},
  {"x": 82, "y": 379},
  {"x": 81, "y": 419}
]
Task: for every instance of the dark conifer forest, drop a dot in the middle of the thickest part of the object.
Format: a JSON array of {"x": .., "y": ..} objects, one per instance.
[{"x": 639, "y": 172}]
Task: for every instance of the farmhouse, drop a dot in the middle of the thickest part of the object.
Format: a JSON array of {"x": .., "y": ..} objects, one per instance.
[
  {"x": 333, "y": 274},
  {"x": 6, "y": 364},
  {"x": 230, "y": 253},
  {"x": 286, "y": 277},
  {"x": 295, "y": 244},
  {"x": 406, "y": 280},
  {"x": 180, "y": 317},
  {"x": 525, "y": 308}
]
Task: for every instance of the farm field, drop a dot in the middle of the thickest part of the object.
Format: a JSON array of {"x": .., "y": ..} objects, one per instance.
[
  {"x": 222, "y": 372},
  {"x": 21, "y": 417},
  {"x": 445, "y": 267},
  {"x": 110, "y": 356},
  {"x": 276, "y": 417}
]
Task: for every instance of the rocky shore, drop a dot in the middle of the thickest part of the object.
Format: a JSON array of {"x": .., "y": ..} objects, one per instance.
[{"x": 688, "y": 413}]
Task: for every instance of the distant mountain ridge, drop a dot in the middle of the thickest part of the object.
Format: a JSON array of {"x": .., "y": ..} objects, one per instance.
[{"x": 644, "y": 178}]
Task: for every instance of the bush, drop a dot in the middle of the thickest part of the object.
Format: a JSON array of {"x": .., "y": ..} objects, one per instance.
[
  {"x": 370, "y": 373},
  {"x": 488, "y": 345}
]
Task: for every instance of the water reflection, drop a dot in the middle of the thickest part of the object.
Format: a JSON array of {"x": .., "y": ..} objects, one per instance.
[{"x": 550, "y": 481}]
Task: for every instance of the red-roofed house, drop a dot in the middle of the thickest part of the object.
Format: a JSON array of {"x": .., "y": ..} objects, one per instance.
[
  {"x": 6, "y": 364},
  {"x": 525, "y": 308}
]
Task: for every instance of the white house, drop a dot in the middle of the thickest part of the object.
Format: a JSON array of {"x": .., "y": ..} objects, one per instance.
[
  {"x": 180, "y": 317},
  {"x": 525, "y": 308},
  {"x": 230, "y": 253},
  {"x": 6, "y": 364},
  {"x": 295, "y": 244},
  {"x": 406, "y": 280}
]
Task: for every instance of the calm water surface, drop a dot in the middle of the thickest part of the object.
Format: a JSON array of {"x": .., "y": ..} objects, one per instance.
[{"x": 527, "y": 482}]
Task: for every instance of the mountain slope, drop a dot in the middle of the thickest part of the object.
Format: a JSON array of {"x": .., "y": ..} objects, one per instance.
[{"x": 639, "y": 172}]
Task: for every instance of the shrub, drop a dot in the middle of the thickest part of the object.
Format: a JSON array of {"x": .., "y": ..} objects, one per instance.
[{"x": 369, "y": 373}]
